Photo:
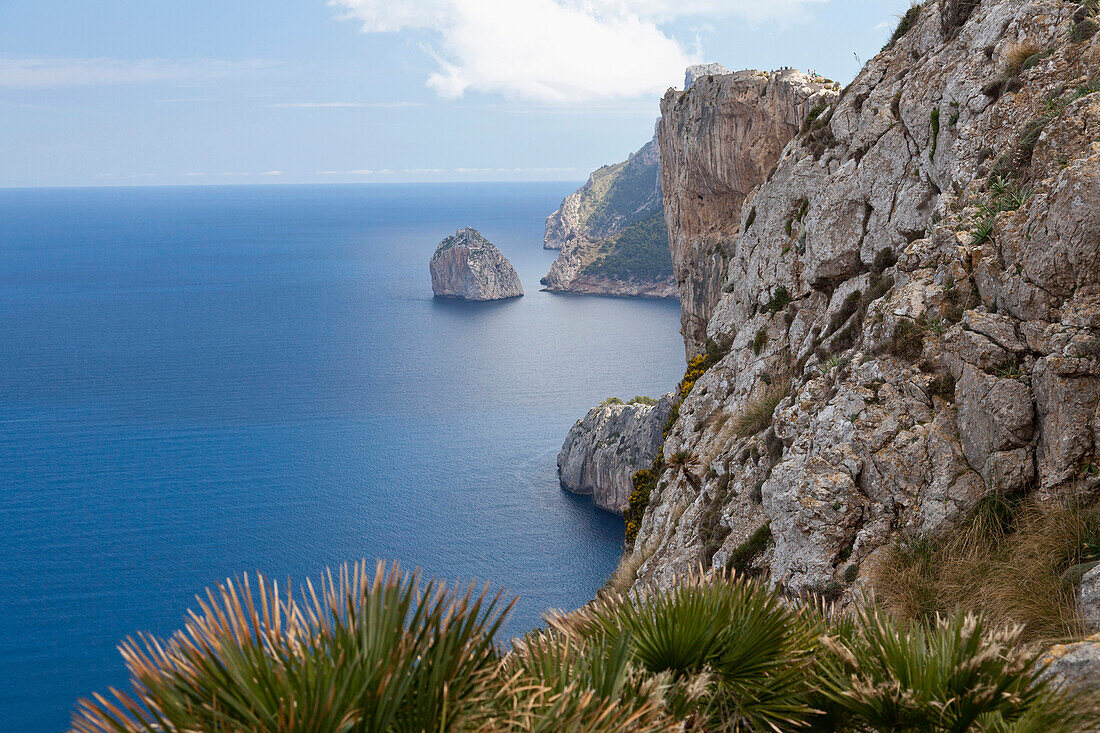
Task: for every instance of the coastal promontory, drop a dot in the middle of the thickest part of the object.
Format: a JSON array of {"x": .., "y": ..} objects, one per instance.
[{"x": 467, "y": 266}]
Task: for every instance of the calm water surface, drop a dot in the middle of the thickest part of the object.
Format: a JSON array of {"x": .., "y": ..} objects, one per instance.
[{"x": 200, "y": 382}]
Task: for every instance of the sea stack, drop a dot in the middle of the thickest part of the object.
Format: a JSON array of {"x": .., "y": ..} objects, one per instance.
[{"x": 467, "y": 266}]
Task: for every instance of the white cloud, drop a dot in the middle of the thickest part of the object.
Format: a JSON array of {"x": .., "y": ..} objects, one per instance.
[
  {"x": 272, "y": 173},
  {"x": 556, "y": 51},
  {"x": 50, "y": 72}
]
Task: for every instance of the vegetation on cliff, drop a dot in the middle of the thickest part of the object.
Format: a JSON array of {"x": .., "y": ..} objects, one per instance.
[
  {"x": 383, "y": 651},
  {"x": 639, "y": 252},
  {"x": 612, "y": 232}
]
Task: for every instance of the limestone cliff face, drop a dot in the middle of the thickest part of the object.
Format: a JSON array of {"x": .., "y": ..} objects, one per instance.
[
  {"x": 605, "y": 448},
  {"x": 611, "y": 233},
  {"x": 911, "y": 306},
  {"x": 467, "y": 266},
  {"x": 718, "y": 141}
]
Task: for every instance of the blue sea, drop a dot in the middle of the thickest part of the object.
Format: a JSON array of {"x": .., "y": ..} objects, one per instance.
[{"x": 201, "y": 382}]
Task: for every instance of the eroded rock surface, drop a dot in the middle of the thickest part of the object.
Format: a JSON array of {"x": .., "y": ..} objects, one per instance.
[
  {"x": 605, "y": 448},
  {"x": 918, "y": 280},
  {"x": 718, "y": 141},
  {"x": 467, "y": 266}
]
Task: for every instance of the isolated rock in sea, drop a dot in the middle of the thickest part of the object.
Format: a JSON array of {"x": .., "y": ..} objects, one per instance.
[
  {"x": 695, "y": 71},
  {"x": 469, "y": 267},
  {"x": 719, "y": 139},
  {"x": 904, "y": 314},
  {"x": 605, "y": 448},
  {"x": 611, "y": 233}
]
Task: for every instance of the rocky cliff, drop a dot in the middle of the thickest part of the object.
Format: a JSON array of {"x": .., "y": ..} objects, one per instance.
[
  {"x": 718, "y": 140},
  {"x": 605, "y": 448},
  {"x": 467, "y": 266},
  {"x": 611, "y": 233},
  {"x": 904, "y": 317}
]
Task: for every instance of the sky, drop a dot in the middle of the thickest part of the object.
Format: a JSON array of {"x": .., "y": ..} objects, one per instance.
[{"x": 200, "y": 92}]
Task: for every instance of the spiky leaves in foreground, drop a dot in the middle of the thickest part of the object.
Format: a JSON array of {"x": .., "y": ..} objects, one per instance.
[
  {"x": 556, "y": 683},
  {"x": 738, "y": 655},
  {"x": 955, "y": 675},
  {"x": 382, "y": 653},
  {"x": 379, "y": 652}
]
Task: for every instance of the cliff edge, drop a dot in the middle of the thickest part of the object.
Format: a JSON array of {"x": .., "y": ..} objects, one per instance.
[{"x": 903, "y": 318}]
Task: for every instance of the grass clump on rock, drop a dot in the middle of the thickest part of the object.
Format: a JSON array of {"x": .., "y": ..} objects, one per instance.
[{"x": 1006, "y": 562}]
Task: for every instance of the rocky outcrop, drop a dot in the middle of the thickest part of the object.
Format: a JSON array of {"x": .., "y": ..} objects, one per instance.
[
  {"x": 718, "y": 141},
  {"x": 1088, "y": 598},
  {"x": 611, "y": 233},
  {"x": 1074, "y": 667},
  {"x": 696, "y": 71},
  {"x": 908, "y": 311},
  {"x": 467, "y": 266},
  {"x": 605, "y": 448}
]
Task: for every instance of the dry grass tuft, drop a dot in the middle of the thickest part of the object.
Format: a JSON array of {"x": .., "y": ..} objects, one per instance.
[
  {"x": 1018, "y": 54},
  {"x": 1006, "y": 563},
  {"x": 757, "y": 412},
  {"x": 625, "y": 574}
]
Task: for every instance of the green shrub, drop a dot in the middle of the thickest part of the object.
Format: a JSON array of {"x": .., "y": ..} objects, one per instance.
[
  {"x": 639, "y": 253},
  {"x": 934, "y": 121},
  {"x": 779, "y": 301},
  {"x": 943, "y": 385},
  {"x": 759, "y": 341},
  {"x": 908, "y": 339},
  {"x": 383, "y": 652},
  {"x": 813, "y": 114},
  {"x": 744, "y": 554}
]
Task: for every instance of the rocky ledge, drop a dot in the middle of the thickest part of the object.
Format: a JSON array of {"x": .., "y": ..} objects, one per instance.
[
  {"x": 606, "y": 447},
  {"x": 467, "y": 266}
]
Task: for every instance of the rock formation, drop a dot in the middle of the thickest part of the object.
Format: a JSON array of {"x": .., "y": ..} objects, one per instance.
[
  {"x": 696, "y": 71},
  {"x": 605, "y": 448},
  {"x": 911, "y": 310},
  {"x": 467, "y": 266},
  {"x": 718, "y": 141},
  {"x": 611, "y": 233}
]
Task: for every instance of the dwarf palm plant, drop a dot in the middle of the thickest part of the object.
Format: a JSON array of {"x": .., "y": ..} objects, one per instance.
[
  {"x": 556, "y": 683},
  {"x": 738, "y": 655},
  {"x": 363, "y": 652},
  {"x": 955, "y": 675}
]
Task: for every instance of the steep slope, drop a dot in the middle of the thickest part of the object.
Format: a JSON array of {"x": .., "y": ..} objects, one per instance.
[
  {"x": 911, "y": 319},
  {"x": 611, "y": 233},
  {"x": 718, "y": 141}
]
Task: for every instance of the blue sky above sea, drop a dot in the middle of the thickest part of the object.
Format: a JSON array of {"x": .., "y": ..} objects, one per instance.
[{"x": 199, "y": 92}]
